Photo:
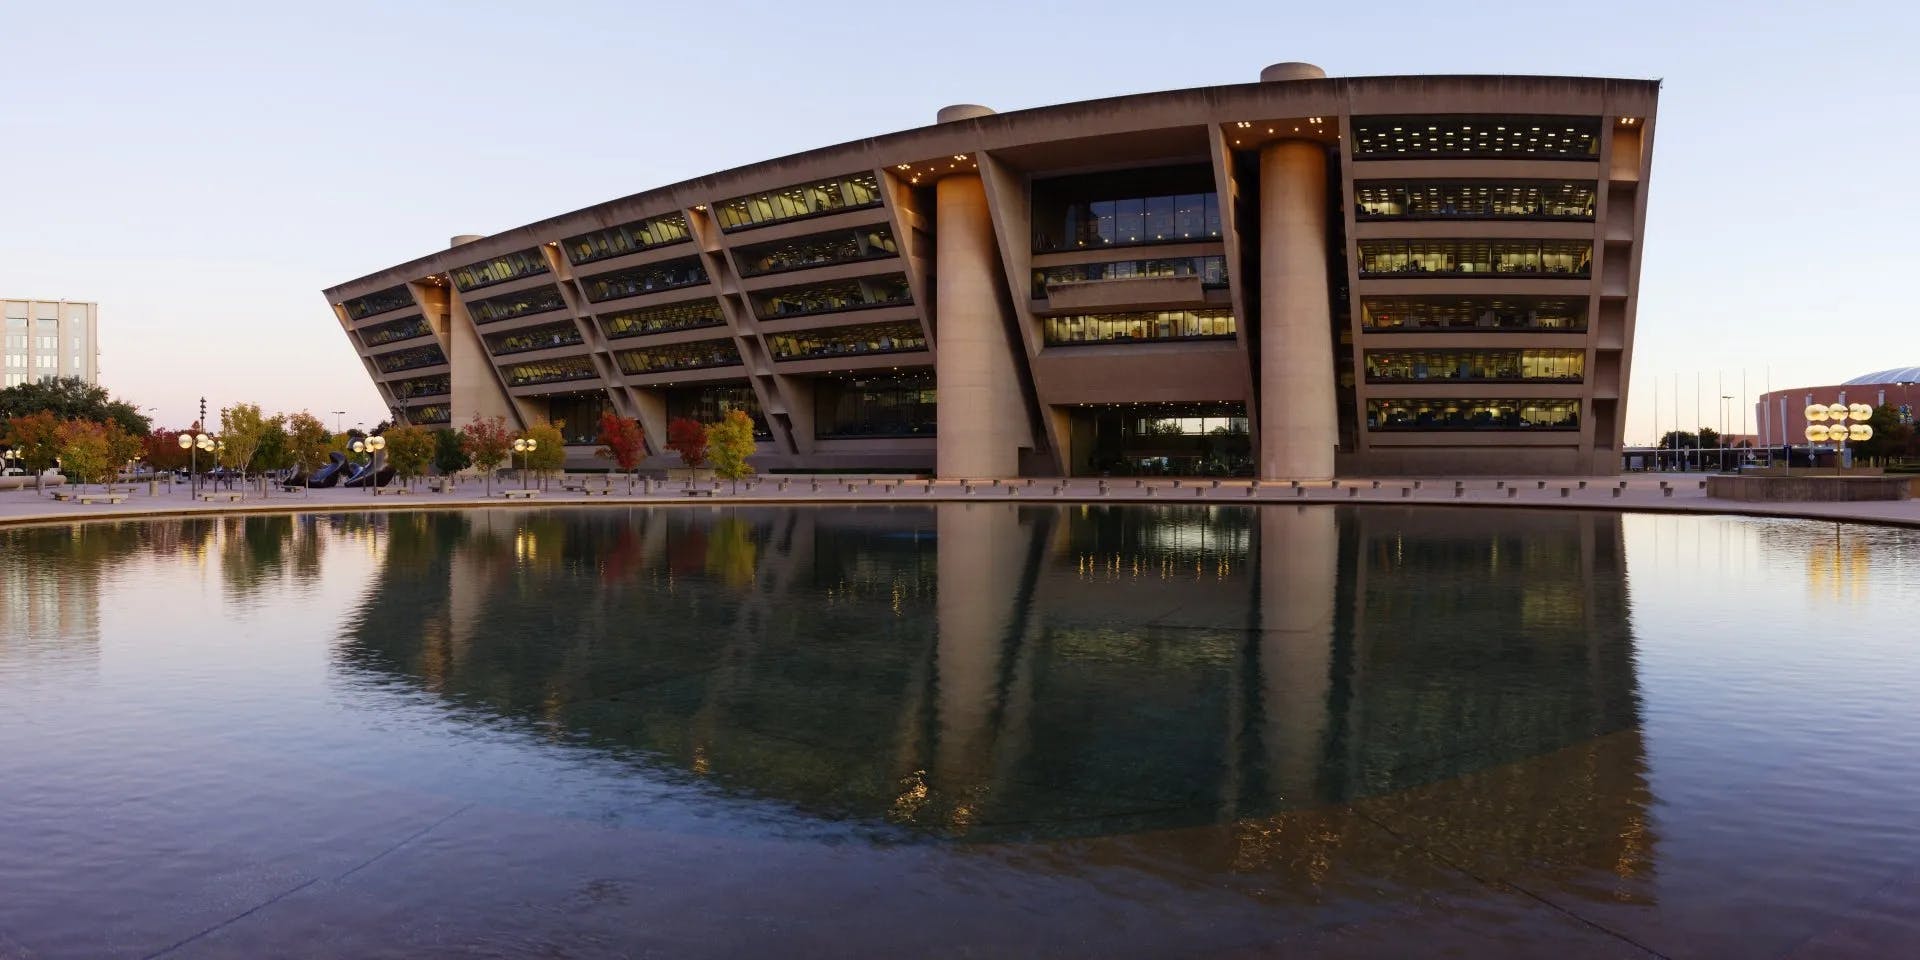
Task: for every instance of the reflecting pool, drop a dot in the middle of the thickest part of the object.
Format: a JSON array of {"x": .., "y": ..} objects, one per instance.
[{"x": 960, "y": 730}]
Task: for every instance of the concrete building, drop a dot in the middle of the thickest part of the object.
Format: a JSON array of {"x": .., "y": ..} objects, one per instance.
[
  {"x": 49, "y": 338},
  {"x": 1286, "y": 279},
  {"x": 1781, "y": 416}
]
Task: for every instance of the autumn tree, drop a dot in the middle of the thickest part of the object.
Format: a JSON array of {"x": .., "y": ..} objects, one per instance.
[
  {"x": 622, "y": 441},
  {"x": 729, "y": 444},
  {"x": 162, "y": 449},
  {"x": 83, "y": 452},
  {"x": 37, "y": 437},
  {"x": 123, "y": 448},
  {"x": 487, "y": 443},
  {"x": 242, "y": 429},
  {"x": 686, "y": 437},
  {"x": 307, "y": 441},
  {"x": 449, "y": 457},
  {"x": 409, "y": 450}
]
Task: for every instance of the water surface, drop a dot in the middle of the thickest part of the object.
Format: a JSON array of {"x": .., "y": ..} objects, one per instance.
[{"x": 959, "y": 730}]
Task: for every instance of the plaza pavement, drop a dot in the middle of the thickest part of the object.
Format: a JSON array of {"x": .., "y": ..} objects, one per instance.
[{"x": 1641, "y": 492}]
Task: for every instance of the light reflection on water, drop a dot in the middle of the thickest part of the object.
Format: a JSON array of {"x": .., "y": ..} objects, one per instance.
[{"x": 1087, "y": 730}]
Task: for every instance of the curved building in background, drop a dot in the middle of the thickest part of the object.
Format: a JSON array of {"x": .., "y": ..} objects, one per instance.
[
  {"x": 1780, "y": 417},
  {"x": 1284, "y": 279}
]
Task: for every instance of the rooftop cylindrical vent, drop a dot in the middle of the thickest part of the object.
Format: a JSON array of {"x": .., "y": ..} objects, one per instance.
[{"x": 1282, "y": 72}]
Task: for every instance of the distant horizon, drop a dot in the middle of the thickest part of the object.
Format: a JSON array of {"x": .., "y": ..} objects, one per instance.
[{"x": 204, "y": 178}]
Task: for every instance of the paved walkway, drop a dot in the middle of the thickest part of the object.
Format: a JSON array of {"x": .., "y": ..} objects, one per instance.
[{"x": 1641, "y": 492}]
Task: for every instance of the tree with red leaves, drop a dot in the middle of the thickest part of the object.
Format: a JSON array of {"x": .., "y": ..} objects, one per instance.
[
  {"x": 623, "y": 442},
  {"x": 487, "y": 443},
  {"x": 688, "y": 438}
]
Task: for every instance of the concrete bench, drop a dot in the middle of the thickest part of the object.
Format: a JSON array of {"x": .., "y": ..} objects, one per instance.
[
  {"x": 100, "y": 497},
  {"x": 231, "y": 496},
  {"x": 596, "y": 491},
  {"x": 700, "y": 492},
  {"x": 390, "y": 491},
  {"x": 521, "y": 494}
]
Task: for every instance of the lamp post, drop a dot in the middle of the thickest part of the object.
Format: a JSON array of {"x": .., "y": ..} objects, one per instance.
[
  {"x": 371, "y": 446},
  {"x": 524, "y": 447},
  {"x": 1839, "y": 431}
]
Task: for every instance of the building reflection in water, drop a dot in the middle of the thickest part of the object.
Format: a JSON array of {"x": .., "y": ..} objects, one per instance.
[{"x": 1276, "y": 680}]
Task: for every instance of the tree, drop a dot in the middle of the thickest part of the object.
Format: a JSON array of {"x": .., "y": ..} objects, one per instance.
[
  {"x": 622, "y": 441},
  {"x": 487, "y": 443},
  {"x": 307, "y": 441},
  {"x": 409, "y": 450},
  {"x": 549, "y": 451},
  {"x": 123, "y": 448},
  {"x": 37, "y": 437},
  {"x": 686, "y": 437},
  {"x": 83, "y": 452},
  {"x": 242, "y": 428},
  {"x": 276, "y": 450},
  {"x": 1890, "y": 436},
  {"x": 71, "y": 398},
  {"x": 449, "y": 457},
  {"x": 162, "y": 449},
  {"x": 730, "y": 443}
]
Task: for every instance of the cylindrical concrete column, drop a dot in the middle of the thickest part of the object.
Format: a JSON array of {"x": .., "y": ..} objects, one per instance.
[
  {"x": 981, "y": 417},
  {"x": 1299, "y": 573},
  {"x": 1298, "y": 419}
]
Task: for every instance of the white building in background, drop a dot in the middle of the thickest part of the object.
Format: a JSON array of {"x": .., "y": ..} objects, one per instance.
[{"x": 49, "y": 338}]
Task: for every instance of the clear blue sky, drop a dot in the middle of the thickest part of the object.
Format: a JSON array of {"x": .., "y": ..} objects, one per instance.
[{"x": 203, "y": 170}]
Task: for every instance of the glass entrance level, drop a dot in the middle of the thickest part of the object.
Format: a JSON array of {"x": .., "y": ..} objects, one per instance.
[
  {"x": 1182, "y": 729},
  {"x": 1159, "y": 440}
]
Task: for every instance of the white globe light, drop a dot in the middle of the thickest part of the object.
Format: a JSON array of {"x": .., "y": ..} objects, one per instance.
[
  {"x": 1816, "y": 432},
  {"x": 185, "y": 441},
  {"x": 531, "y": 443},
  {"x": 1816, "y": 412},
  {"x": 1860, "y": 431},
  {"x": 1837, "y": 411},
  {"x": 1860, "y": 411}
]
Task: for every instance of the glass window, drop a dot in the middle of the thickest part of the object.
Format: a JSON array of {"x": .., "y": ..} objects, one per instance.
[
  {"x": 1474, "y": 200},
  {"x": 709, "y": 403},
  {"x": 1146, "y": 325},
  {"x": 1151, "y": 205},
  {"x": 806, "y": 200},
  {"x": 627, "y": 238},
  {"x": 411, "y": 358},
  {"x": 679, "y": 356},
  {"x": 901, "y": 405},
  {"x": 543, "y": 337},
  {"x": 512, "y": 266},
  {"x": 422, "y": 386},
  {"x": 1473, "y": 313},
  {"x": 1418, "y": 415},
  {"x": 1521, "y": 137},
  {"x": 1212, "y": 272},
  {"x": 577, "y": 415},
  {"x": 675, "y": 316},
  {"x": 405, "y": 328},
  {"x": 652, "y": 278},
  {"x": 512, "y": 305},
  {"x": 1559, "y": 365},
  {"x": 820, "y": 249},
  {"x": 882, "y": 291},
  {"x": 848, "y": 341},
  {"x": 550, "y": 371},
  {"x": 430, "y": 413},
  {"x": 392, "y": 298},
  {"x": 1386, "y": 258}
]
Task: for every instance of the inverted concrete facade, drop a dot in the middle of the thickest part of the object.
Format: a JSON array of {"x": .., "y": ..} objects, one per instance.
[{"x": 1285, "y": 279}]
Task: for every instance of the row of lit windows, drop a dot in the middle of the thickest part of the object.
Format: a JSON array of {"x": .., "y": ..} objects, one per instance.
[
  {"x": 1212, "y": 272},
  {"x": 821, "y": 249},
  {"x": 1472, "y": 313},
  {"x": 1564, "y": 258},
  {"x": 1148, "y": 325},
  {"x": 652, "y": 278},
  {"x": 392, "y": 298},
  {"x": 890, "y": 406},
  {"x": 550, "y": 371},
  {"x": 1565, "y": 366},
  {"x": 523, "y": 304},
  {"x": 1474, "y": 199},
  {"x": 411, "y": 358},
  {"x": 1524, "y": 138},
  {"x": 577, "y": 415},
  {"x": 849, "y": 341},
  {"x": 676, "y": 316},
  {"x": 486, "y": 273},
  {"x": 806, "y": 200},
  {"x": 422, "y": 386},
  {"x": 1188, "y": 426},
  {"x": 543, "y": 337},
  {"x": 711, "y": 403},
  {"x": 405, "y": 328},
  {"x": 431, "y": 413},
  {"x": 834, "y": 296},
  {"x": 1178, "y": 218},
  {"x": 680, "y": 356},
  {"x": 1397, "y": 414},
  {"x": 627, "y": 238}
]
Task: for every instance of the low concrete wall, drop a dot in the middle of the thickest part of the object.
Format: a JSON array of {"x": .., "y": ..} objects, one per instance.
[
  {"x": 1809, "y": 489},
  {"x": 26, "y": 483}
]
